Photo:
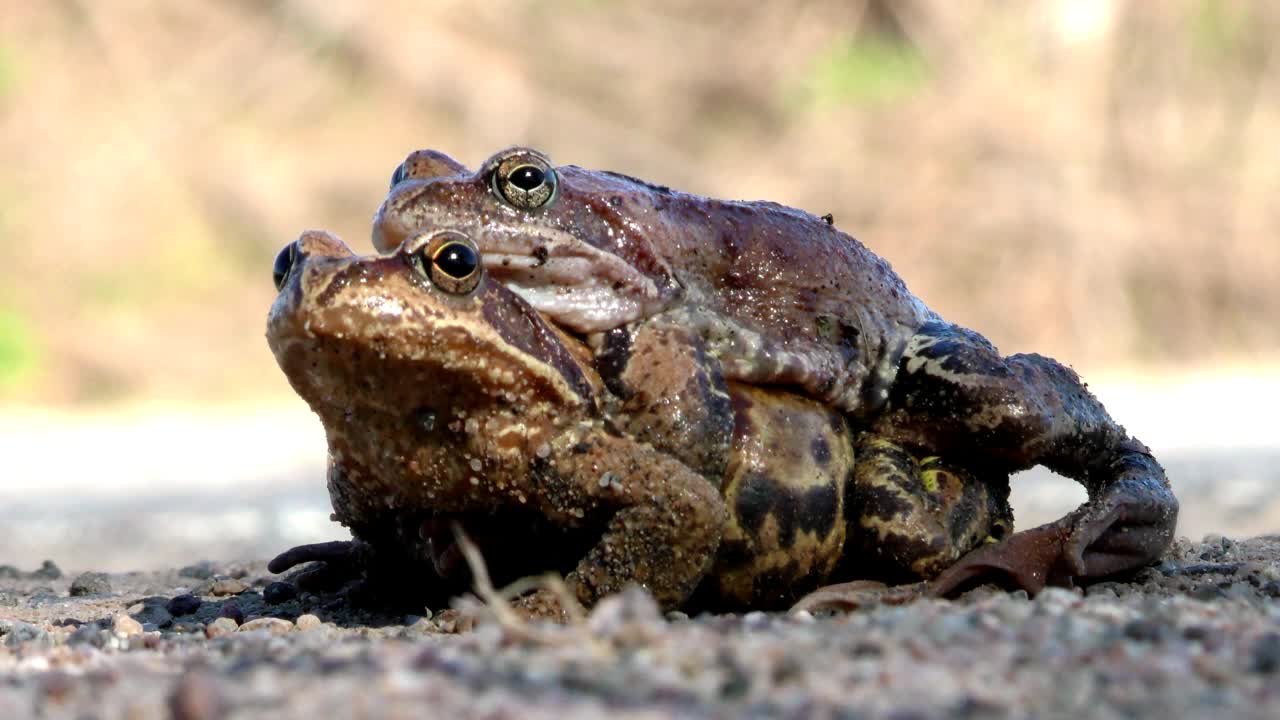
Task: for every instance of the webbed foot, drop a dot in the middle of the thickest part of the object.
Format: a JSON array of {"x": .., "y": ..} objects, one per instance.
[
  {"x": 337, "y": 563},
  {"x": 1128, "y": 527},
  {"x": 1028, "y": 560},
  {"x": 393, "y": 573}
]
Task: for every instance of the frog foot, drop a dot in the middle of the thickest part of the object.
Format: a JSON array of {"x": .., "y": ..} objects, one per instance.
[
  {"x": 337, "y": 564},
  {"x": 369, "y": 578},
  {"x": 1128, "y": 527},
  {"x": 1028, "y": 560},
  {"x": 849, "y": 596}
]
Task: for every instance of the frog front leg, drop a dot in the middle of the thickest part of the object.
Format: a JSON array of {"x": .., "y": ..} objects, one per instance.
[
  {"x": 669, "y": 392},
  {"x": 957, "y": 397},
  {"x": 661, "y": 522}
]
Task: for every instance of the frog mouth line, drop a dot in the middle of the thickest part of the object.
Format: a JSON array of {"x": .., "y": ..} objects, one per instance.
[{"x": 583, "y": 288}]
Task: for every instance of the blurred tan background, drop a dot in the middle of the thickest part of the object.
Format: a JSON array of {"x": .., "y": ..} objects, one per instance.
[{"x": 1090, "y": 179}]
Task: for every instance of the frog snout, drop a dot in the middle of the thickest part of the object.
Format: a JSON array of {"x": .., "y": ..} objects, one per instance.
[
  {"x": 388, "y": 233},
  {"x": 312, "y": 243}
]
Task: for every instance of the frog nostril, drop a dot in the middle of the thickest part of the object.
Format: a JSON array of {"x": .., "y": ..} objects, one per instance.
[{"x": 284, "y": 264}]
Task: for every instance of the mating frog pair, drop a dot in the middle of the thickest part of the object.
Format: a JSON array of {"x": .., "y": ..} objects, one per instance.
[{"x": 729, "y": 403}]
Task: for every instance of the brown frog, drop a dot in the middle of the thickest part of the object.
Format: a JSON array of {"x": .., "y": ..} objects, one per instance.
[
  {"x": 754, "y": 292},
  {"x": 446, "y": 397}
]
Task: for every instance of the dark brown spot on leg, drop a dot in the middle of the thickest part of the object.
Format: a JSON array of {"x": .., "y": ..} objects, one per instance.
[
  {"x": 821, "y": 451},
  {"x": 612, "y": 360},
  {"x": 755, "y": 501},
  {"x": 819, "y": 510}
]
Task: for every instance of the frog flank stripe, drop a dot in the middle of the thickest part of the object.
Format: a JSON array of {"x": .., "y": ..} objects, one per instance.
[{"x": 520, "y": 325}]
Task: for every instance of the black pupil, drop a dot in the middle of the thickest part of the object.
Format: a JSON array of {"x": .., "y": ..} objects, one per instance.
[
  {"x": 456, "y": 260},
  {"x": 527, "y": 177}
]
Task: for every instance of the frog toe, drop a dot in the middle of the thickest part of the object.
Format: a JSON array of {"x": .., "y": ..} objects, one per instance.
[
  {"x": 1028, "y": 560},
  {"x": 849, "y": 596},
  {"x": 336, "y": 551},
  {"x": 1126, "y": 528}
]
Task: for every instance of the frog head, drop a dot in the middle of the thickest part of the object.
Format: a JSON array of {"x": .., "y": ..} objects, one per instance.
[
  {"x": 576, "y": 244},
  {"x": 417, "y": 351}
]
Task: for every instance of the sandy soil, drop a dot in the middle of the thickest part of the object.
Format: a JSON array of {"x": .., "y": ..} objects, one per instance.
[{"x": 1197, "y": 634}]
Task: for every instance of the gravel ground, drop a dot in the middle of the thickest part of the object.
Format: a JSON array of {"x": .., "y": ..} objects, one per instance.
[{"x": 1197, "y": 635}]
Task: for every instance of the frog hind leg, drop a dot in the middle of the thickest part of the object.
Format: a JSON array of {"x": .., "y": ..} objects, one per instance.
[
  {"x": 912, "y": 517},
  {"x": 956, "y": 395},
  {"x": 909, "y": 519}
]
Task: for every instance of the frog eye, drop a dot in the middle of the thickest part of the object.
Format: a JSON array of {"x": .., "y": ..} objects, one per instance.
[
  {"x": 284, "y": 263},
  {"x": 451, "y": 261},
  {"x": 525, "y": 180}
]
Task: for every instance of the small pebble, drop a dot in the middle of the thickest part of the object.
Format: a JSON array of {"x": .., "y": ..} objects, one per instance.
[
  {"x": 90, "y": 583},
  {"x": 279, "y": 592},
  {"x": 221, "y": 626},
  {"x": 197, "y": 697},
  {"x": 201, "y": 571},
  {"x": 57, "y": 686},
  {"x": 125, "y": 626},
  {"x": 228, "y": 586},
  {"x": 1208, "y": 592},
  {"x": 48, "y": 571},
  {"x": 631, "y": 607},
  {"x": 1209, "y": 637},
  {"x": 1057, "y": 598},
  {"x": 88, "y": 634},
  {"x": 451, "y": 621},
  {"x": 151, "y": 613},
  {"x": 1143, "y": 630},
  {"x": 19, "y": 633},
  {"x": 307, "y": 622},
  {"x": 275, "y": 626},
  {"x": 232, "y": 610},
  {"x": 1266, "y": 654},
  {"x": 183, "y": 605}
]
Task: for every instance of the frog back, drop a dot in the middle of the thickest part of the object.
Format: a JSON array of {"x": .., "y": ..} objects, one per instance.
[{"x": 781, "y": 297}]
